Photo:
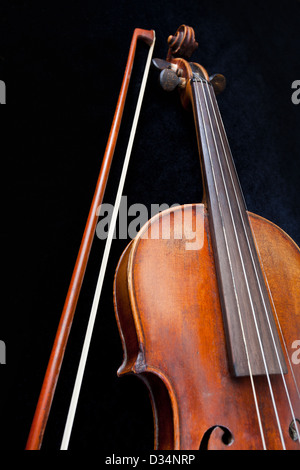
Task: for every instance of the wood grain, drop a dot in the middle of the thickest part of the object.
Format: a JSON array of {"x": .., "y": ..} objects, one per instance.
[{"x": 170, "y": 321}]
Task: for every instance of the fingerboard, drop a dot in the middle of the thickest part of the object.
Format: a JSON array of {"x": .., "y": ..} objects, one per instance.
[{"x": 252, "y": 340}]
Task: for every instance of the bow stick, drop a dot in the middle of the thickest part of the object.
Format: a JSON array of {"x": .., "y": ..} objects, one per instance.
[{"x": 42, "y": 411}]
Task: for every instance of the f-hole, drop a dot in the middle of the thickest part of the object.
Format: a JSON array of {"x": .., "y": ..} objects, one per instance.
[{"x": 226, "y": 438}]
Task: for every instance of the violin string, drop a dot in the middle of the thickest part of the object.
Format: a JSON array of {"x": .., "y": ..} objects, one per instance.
[
  {"x": 93, "y": 312},
  {"x": 267, "y": 283},
  {"x": 244, "y": 272},
  {"x": 280, "y": 329},
  {"x": 234, "y": 286},
  {"x": 211, "y": 93},
  {"x": 245, "y": 276},
  {"x": 296, "y": 425}
]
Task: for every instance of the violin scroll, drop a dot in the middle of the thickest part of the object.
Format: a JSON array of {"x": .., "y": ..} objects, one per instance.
[{"x": 182, "y": 44}]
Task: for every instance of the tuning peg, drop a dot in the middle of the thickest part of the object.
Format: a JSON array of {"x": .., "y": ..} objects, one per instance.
[
  {"x": 218, "y": 82},
  {"x": 169, "y": 80},
  {"x": 161, "y": 64}
]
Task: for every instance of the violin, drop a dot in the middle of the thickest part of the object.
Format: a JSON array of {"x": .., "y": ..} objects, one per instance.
[
  {"x": 206, "y": 296},
  {"x": 207, "y": 299}
]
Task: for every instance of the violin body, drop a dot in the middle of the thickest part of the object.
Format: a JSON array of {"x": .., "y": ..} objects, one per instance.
[
  {"x": 207, "y": 296},
  {"x": 170, "y": 321}
]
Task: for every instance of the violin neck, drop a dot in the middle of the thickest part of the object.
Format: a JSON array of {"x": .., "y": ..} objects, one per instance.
[{"x": 252, "y": 340}]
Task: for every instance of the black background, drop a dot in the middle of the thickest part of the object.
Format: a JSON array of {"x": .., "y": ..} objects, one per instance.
[{"x": 63, "y": 64}]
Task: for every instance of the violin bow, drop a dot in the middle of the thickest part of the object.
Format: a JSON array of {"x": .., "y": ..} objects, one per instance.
[{"x": 43, "y": 407}]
